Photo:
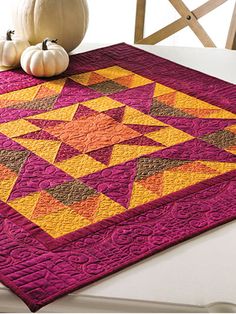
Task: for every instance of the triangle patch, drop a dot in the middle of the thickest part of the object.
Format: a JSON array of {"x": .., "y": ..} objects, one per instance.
[
  {"x": 44, "y": 148},
  {"x": 83, "y": 112},
  {"x": 62, "y": 114},
  {"x": 140, "y": 195},
  {"x": 44, "y": 123},
  {"x": 6, "y": 187},
  {"x": 37, "y": 175},
  {"x": 102, "y": 155},
  {"x": 144, "y": 129},
  {"x": 46, "y": 204},
  {"x": 195, "y": 166},
  {"x": 6, "y": 173},
  {"x": 139, "y": 98},
  {"x": 154, "y": 184},
  {"x": 195, "y": 150},
  {"x": 87, "y": 208},
  {"x": 107, "y": 208},
  {"x": 56, "y": 85},
  {"x": 74, "y": 93},
  {"x": 197, "y": 126},
  {"x": 45, "y": 92},
  {"x": 141, "y": 141},
  {"x": 116, "y": 113},
  {"x": 162, "y": 90},
  {"x": 122, "y": 153},
  {"x": 14, "y": 160},
  {"x": 43, "y": 104},
  {"x": 25, "y": 205},
  {"x": 173, "y": 182},
  {"x": 133, "y": 116},
  {"x": 38, "y": 135},
  {"x": 66, "y": 152},
  {"x": 125, "y": 80},
  {"x": 115, "y": 182}
]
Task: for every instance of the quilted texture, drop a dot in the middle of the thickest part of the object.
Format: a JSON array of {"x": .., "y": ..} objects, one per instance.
[{"x": 121, "y": 157}]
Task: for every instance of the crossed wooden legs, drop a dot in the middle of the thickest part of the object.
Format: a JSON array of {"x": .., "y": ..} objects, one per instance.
[
  {"x": 188, "y": 18},
  {"x": 231, "y": 40}
]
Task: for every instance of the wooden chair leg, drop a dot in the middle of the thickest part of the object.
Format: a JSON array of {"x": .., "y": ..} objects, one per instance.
[
  {"x": 192, "y": 22},
  {"x": 188, "y": 18},
  {"x": 231, "y": 40},
  {"x": 140, "y": 20}
]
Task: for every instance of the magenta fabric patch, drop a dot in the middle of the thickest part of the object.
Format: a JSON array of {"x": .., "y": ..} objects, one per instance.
[{"x": 119, "y": 158}]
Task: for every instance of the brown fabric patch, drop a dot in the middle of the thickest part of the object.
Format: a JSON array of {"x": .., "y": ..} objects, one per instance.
[
  {"x": 221, "y": 139},
  {"x": 161, "y": 109},
  {"x": 149, "y": 166},
  {"x": 13, "y": 159},
  {"x": 108, "y": 87},
  {"x": 71, "y": 192},
  {"x": 38, "y": 104}
]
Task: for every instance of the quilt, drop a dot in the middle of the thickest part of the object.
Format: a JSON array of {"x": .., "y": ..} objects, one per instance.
[{"x": 121, "y": 157}]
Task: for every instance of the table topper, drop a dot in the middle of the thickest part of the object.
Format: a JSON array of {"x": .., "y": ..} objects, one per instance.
[{"x": 122, "y": 156}]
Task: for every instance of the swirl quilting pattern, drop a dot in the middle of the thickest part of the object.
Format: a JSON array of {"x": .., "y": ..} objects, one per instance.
[{"x": 122, "y": 156}]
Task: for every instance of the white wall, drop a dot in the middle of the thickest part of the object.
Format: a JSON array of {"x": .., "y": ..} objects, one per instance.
[{"x": 112, "y": 21}]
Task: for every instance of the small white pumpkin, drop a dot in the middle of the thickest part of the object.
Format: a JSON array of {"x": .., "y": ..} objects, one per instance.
[
  {"x": 45, "y": 60},
  {"x": 11, "y": 50}
]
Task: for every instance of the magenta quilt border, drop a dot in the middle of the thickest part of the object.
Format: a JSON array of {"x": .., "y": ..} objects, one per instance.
[{"x": 97, "y": 252}]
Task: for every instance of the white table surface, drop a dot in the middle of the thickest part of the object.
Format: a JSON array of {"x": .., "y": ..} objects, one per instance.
[{"x": 195, "y": 276}]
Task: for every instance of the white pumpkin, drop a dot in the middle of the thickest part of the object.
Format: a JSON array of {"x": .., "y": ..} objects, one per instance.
[
  {"x": 45, "y": 60},
  {"x": 66, "y": 20},
  {"x": 11, "y": 50}
]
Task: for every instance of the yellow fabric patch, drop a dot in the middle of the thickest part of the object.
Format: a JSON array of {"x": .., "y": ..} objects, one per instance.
[
  {"x": 169, "y": 136},
  {"x": 140, "y": 195},
  {"x": 113, "y": 72},
  {"x": 173, "y": 182},
  {"x": 138, "y": 80},
  {"x": 6, "y": 187},
  {"x": 123, "y": 153},
  {"x": 231, "y": 150},
  {"x": 62, "y": 114},
  {"x": 46, "y": 149},
  {"x": 80, "y": 166},
  {"x": 200, "y": 108},
  {"x": 107, "y": 208},
  {"x": 231, "y": 128},
  {"x": 17, "y": 128},
  {"x": 133, "y": 116},
  {"x": 102, "y": 104},
  {"x": 59, "y": 223},
  {"x": 25, "y": 205},
  {"x": 162, "y": 90},
  {"x": 221, "y": 167},
  {"x": 56, "y": 85},
  {"x": 26, "y": 94},
  {"x": 82, "y": 78}
]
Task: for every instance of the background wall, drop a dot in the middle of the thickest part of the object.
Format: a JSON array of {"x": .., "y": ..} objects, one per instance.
[{"x": 112, "y": 21}]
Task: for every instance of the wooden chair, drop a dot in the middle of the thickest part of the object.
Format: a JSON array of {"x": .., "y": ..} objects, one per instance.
[{"x": 188, "y": 18}]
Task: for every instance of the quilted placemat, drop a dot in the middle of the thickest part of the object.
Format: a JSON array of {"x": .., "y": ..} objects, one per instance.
[{"x": 124, "y": 155}]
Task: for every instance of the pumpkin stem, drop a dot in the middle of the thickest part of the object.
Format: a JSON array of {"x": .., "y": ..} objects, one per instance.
[
  {"x": 44, "y": 43},
  {"x": 9, "y": 34}
]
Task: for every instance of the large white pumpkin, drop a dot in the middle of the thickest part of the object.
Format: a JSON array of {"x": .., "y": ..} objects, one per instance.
[{"x": 66, "y": 20}]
